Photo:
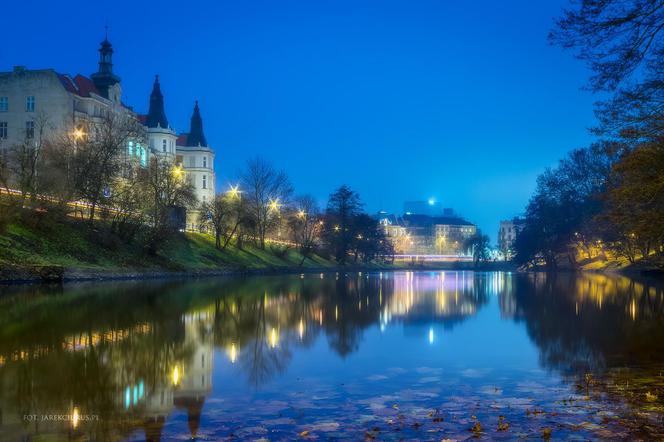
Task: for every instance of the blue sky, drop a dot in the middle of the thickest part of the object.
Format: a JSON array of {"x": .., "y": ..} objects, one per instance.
[{"x": 465, "y": 102}]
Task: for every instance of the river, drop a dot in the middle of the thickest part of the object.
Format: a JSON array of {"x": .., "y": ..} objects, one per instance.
[{"x": 346, "y": 356}]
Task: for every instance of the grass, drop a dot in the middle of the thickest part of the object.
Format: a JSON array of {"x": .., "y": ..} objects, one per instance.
[{"x": 30, "y": 241}]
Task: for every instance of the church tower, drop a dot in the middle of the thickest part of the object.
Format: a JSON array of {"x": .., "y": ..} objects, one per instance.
[
  {"x": 107, "y": 83},
  {"x": 161, "y": 137}
]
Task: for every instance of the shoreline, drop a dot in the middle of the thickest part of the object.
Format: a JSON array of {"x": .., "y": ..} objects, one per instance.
[{"x": 60, "y": 275}]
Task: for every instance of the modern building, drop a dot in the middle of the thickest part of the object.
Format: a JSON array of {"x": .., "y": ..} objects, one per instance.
[{"x": 45, "y": 102}]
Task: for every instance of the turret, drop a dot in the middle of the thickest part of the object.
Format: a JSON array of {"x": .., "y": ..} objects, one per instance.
[
  {"x": 196, "y": 136},
  {"x": 156, "y": 115},
  {"x": 104, "y": 79}
]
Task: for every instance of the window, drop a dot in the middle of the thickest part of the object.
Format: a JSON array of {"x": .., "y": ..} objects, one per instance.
[
  {"x": 204, "y": 181},
  {"x": 163, "y": 145},
  {"x": 29, "y": 129},
  {"x": 204, "y": 161},
  {"x": 130, "y": 148},
  {"x": 30, "y": 103},
  {"x": 4, "y": 104},
  {"x": 192, "y": 161},
  {"x": 3, "y": 130}
]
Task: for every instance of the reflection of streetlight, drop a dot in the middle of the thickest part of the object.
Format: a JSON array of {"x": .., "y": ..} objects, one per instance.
[
  {"x": 274, "y": 338},
  {"x": 75, "y": 417},
  {"x": 233, "y": 353},
  {"x": 336, "y": 228},
  {"x": 176, "y": 375}
]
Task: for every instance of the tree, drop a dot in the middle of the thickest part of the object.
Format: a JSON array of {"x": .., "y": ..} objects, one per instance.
[
  {"x": 370, "y": 240},
  {"x": 224, "y": 215},
  {"x": 622, "y": 42},
  {"x": 636, "y": 202},
  {"x": 266, "y": 191},
  {"x": 96, "y": 155},
  {"x": 167, "y": 190},
  {"x": 306, "y": 225},
  {"x": 342, "y": 207},
  {"x": 24, "y": 159},
  {"x": 479, "y": 244}
]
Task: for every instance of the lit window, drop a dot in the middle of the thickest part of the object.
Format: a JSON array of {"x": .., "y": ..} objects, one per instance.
[
  {"x": 29, "y": 129},
  {"x": 163, "y": 146},
  {"x": 204, "y": 181},
  {"x": 130, "y": 148},
  {"x": 3, "y": 130},
  {"x": 30, "y": 103},
  {"x": 4, "y": 104}
]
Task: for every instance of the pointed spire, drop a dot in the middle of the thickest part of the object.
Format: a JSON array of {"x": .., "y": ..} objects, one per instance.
[
  {"x": 156, "y": 114},
  {"x": 196, "y": 136}
]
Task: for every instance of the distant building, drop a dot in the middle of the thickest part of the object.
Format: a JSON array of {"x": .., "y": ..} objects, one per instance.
[
  {"x": 429, "y": 207},
  {"x": 419, "y": 234},
  {"x": 507, "y": 233}
]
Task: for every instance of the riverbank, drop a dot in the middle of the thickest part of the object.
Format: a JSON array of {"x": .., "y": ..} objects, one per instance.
[{"x": 36, "y": 249}]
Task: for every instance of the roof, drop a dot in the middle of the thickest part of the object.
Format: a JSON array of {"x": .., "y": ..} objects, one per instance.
[
  {"x": 79, "y": 85},
  {"x": 426, "y": 220}
]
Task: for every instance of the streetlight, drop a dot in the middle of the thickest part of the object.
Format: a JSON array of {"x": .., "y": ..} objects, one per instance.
[
  {"x": 177, "y": 171},
  {"x": 301, "y": 214},
  {"x": 274, "y": 205},
  {"x": 234, "y": 192}
]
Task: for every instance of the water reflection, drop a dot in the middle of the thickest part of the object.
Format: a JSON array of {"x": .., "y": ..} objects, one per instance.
[{"x": 135, "y": 354}]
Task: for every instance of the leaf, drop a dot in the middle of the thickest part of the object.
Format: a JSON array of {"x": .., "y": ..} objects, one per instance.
[
  {"x": 477, "y": 428},
  {"x": 305, "y": 433},
  {"x": 502, "y": 425},
  {"x": 546, "y": 433}
]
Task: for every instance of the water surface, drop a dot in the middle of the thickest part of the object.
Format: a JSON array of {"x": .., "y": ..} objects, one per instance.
[{"x": 389, "y": 356}]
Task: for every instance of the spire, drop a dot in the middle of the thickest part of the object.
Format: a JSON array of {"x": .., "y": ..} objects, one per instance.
[
  {"x": 104, "y": 78},
  {"x": 156, "y": 114},
  {"x": 196, "y": 136}
]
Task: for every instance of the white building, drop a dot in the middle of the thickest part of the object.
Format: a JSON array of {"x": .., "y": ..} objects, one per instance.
[
  {"x": 507, "y": 236},
  {"x": 30, "y": 99}
]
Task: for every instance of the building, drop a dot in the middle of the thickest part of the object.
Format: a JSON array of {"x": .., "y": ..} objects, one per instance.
[
  {"x": 507, "y": 233},
  {"x": 34, "y": 102},
  {"x": 421, "y": 234}
]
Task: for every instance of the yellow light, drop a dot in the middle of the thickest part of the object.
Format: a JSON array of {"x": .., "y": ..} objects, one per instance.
[
  {"x": 78, "y": 134},
  {"x": 233, "y": 353},
  {"x": 75, "y": 417},
  {"x": 300, "y": 329},
  {"x": 301, "y": 214},
  {"x": 274, "y": 338},
  {"x": 336, "y": 228},
  {"x": 175, "y": 377},
  {"x": 177, "y": 171},
  {"x": 274, "y": 205},
  {"x": 234, "y": 191}
]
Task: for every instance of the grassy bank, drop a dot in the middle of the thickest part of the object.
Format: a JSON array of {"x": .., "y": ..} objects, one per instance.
[
  {"x": 36, "y": 246},
  {"x": 29, "y": 242}
]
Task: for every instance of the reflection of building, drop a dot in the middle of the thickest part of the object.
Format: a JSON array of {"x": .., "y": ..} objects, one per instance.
[{"x": 507, "y": 235}]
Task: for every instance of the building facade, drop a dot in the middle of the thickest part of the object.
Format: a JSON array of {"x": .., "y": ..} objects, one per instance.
[
  {"x": 507, "y": 233},
  {"x": 43, "y": 101}
]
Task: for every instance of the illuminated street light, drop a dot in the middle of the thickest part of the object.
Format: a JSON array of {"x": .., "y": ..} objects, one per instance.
[
  {"x": 234, "y": 192},
  {"x": 274, "y": 205},
  {"x": 301, "y": 214},
  {"x": 336, "y": 228},
  {"x": 177, "y": 171},
  {"x": 78, "y": 134}
]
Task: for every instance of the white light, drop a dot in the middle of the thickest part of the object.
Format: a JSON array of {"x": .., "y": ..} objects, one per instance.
[
  {"x": 431, "y": 336},
  {"x": 432, "y": 201}
]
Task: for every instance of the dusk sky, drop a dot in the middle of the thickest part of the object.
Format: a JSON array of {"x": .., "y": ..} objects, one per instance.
[{"x": 464, "y": 102}]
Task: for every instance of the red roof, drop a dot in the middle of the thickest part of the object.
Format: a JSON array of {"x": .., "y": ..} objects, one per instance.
[
  {"x": 79, "y": 85},
  {"x": 182, "y": 140},
  {"x": 142, "y": 118}
]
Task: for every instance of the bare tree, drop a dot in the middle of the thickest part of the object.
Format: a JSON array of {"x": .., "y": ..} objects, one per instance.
[
  {"x": 24, "y": 159},
  {"x": 224, "y": 214},
  {"x": 99, "y": 155},
  {"x": 306, "y": 225},
  {"x": 266, "y": 190}
]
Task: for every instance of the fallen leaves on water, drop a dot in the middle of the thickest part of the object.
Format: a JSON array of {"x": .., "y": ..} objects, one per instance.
[
  {"x": 546, "y": 433},
  {"x": 305, "y": 433},
  {"x": 650, "y": 397},
  {"x": 477, "y": 429},
  {"x": 502, "y": 425}
]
